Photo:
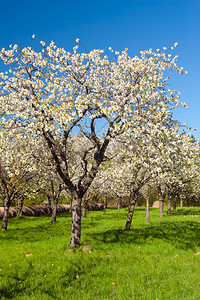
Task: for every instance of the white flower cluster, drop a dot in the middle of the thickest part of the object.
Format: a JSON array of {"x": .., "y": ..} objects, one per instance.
[{"x": 51, "y": 88}]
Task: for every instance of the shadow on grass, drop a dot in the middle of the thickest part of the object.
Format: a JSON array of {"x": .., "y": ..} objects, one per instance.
[
  {"x": 14, "y": 290},
  {"x": 184, "y": 212},
  {"x": 30, "y": 231},
  {"x": 182, "y": 235}
]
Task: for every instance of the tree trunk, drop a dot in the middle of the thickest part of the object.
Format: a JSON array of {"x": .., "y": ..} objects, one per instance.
[
  {"x": 169, "y": 205},
  {"x": 76, "y": 221},
  {"x": 53, "y": 198},
  {"x": 181, "y": 202},
  {"x": 161, "y": 206},
  {"x": 147, "y": 210},
  {"x": 54, "y": 210},
  {"x": 84, "y": 211},
  {"x": 19, "y": 206},
  {"x": 5, "y": 218},
  {"x": 130, "y": 212},
  {"x": 174, "y": 204},
  {"x": 70, "y": 205},
  {"x": 104, "y": 205},
  {"x": 85, "y": 207},
  {"x": 119, "y": 203},
  {"x": 49, "y": 203}
]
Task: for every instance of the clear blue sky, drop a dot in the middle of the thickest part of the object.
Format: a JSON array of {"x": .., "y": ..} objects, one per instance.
[{"x": 133, "y": 24}]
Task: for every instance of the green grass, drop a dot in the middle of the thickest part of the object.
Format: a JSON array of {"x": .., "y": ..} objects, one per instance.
[{"x": 151, "y": 261}]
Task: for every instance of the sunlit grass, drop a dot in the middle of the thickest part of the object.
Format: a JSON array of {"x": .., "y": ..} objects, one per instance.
[{"x": 159, "y": 260}]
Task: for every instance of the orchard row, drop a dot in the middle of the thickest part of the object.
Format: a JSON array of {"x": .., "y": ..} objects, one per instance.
[{"x": 92, "y": 123}]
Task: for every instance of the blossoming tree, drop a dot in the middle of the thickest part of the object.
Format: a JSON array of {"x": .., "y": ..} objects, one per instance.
[
  {"x": 17, "y": 170},
  {"x": 177, "y": 168},
  {"x": 54, "y": 92}
]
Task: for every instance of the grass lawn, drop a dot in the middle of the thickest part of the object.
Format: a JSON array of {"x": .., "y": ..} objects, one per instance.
[{"x": 160, "y": 260}]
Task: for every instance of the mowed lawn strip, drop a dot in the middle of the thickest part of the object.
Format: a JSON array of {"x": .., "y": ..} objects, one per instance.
[{"x": 160, "y": 260}]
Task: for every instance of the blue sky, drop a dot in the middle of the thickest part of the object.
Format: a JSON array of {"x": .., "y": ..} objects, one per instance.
[{"x": 133, "y": 24}]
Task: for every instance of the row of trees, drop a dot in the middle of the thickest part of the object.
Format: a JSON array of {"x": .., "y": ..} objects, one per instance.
[{"x": 47, "y": 96}]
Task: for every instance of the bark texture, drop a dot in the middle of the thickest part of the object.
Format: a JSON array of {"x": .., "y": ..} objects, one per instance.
[
  {"x": 161, "y": 207},
  {"x": 119, "y": 203},
  {"x": 19, "y": 206},
  {"x": 174, "y": 208},
  {"x": 54, "y": 212},
  {"x": 85, "y": 207},
  {"x": 5, "y": 218},
  {"x": 76, "y": 221},
  {"x": 53, "y": 194},
  {"x": 132, "y": 205},
  {"x": 169, "y": 205},
  {"x": 147, "y": 210},
  {"x": 105, "y": 205},
  {"x": 49, "y": 203}
]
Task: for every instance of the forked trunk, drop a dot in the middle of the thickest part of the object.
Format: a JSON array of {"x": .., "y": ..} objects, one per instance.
[
  {"x": 76, "y": 221},
  {"x": 161, "y": 206},
  {"x": 5, "y": 218},
  {"x": 169, "y": 205},
  {"x": 147, "y": 210},
  {"x": 130, "y": 212}
]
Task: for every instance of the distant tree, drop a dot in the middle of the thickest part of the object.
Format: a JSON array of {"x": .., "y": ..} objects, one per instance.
[{"x": 17, "y": 170}]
